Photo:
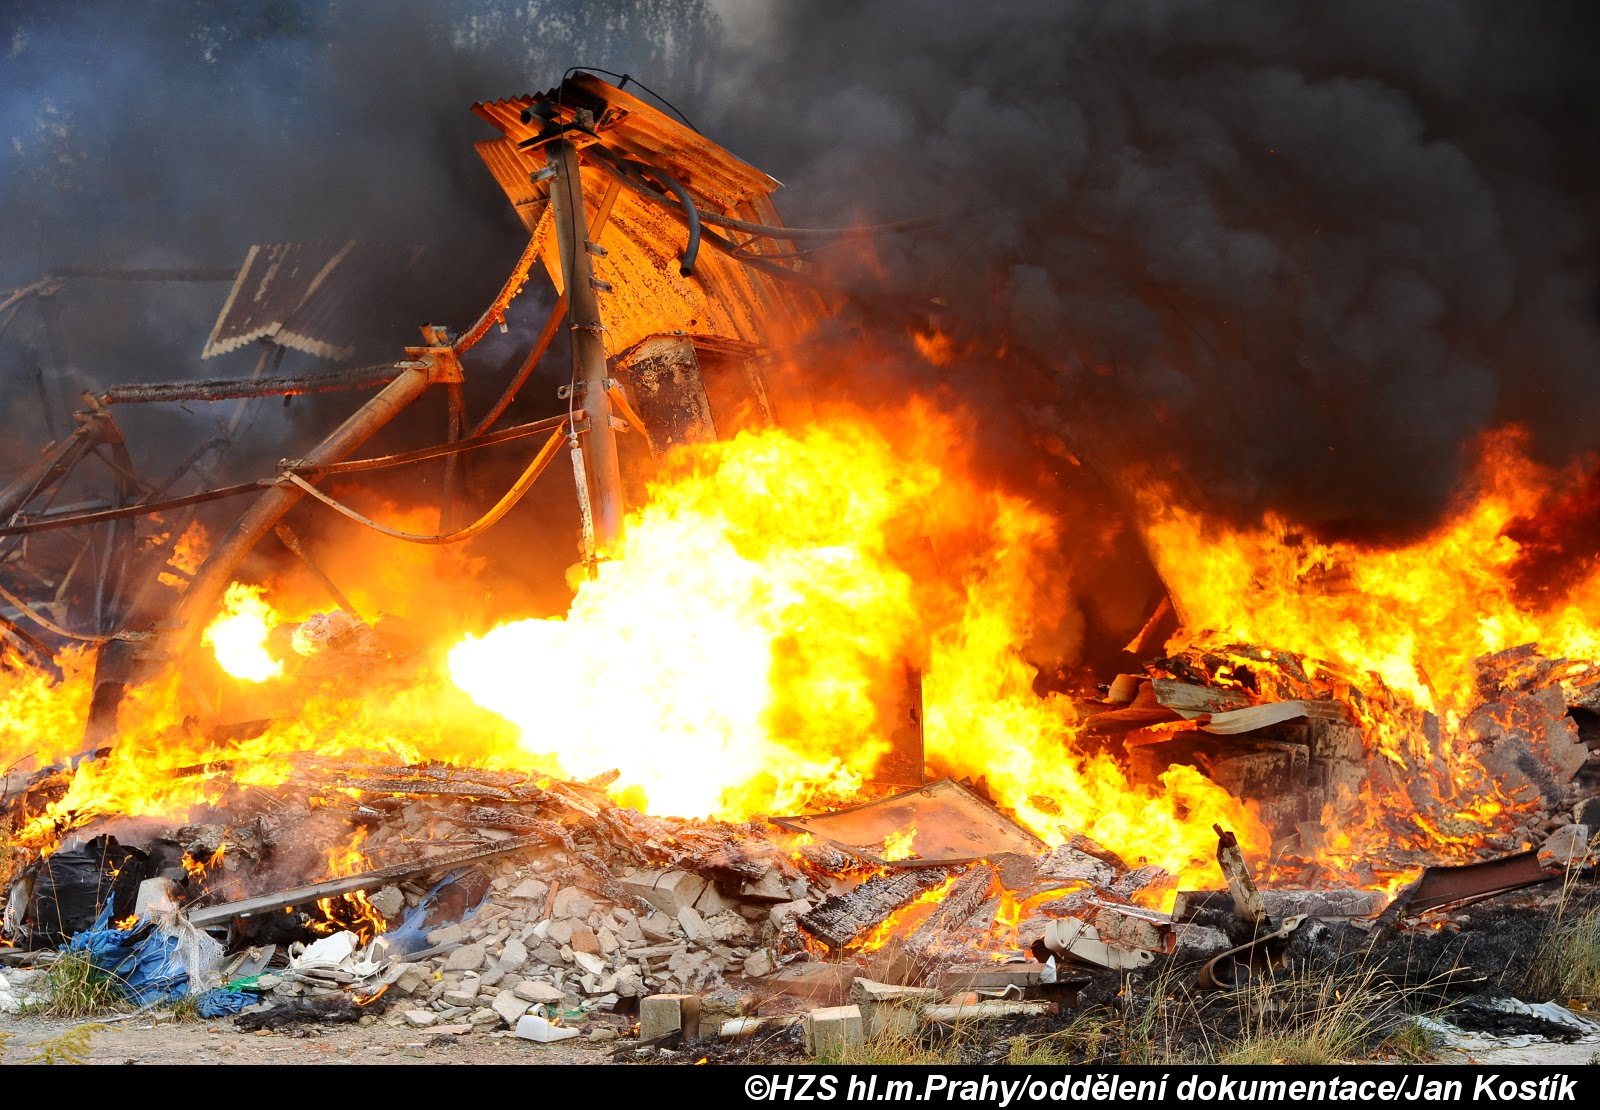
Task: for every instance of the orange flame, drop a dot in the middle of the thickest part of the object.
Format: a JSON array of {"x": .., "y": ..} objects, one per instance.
[
  {"x": 239, "y": 634},
  {"x": 741, "y": 653}
]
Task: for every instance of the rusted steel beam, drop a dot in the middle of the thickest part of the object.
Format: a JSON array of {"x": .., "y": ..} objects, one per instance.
[
  {"x": 52, "y": 464},
  {"x": 1439, "y": 887},
  {"x": 496, "y": 312},
  {"x": 552, "y": 324},
  {"x": 229, "y": 389},
  {"x": 290, "y": 539},
  {"x": 366, "y": 880},
  {"x": 601, "y": 465},
  {"x": 454, "y": 426},
  {"x": 218, "y": 569},
  {"x": 422, "y": 454},
  {"x": 79, "y": 520},
  {"x": 145, "y": 508}
]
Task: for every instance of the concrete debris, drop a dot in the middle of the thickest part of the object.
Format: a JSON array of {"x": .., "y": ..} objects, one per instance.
[
  {"x": 693, "y": 925},
  {"x": 986, "y": 1010},
  {"x": 530, "y": 890},
  {"x": 759, "y": 963},
  {"x": 538, "y": 992},
  {"x": 989, "y": 975},
  {"x": 469, "y": 957},
  {"x": 573, "y": 904},
  {"x": 667, "y": 891},
  {"x": 1201, "y": 939},
  {"x": 890, "y": 1009},
  {"x": 509, "y": 1006},
  {"x": 388, "y": 901},
  {"x": 662, "y": 1014},
  {"x": 833, "y": 1030},
  {"x": 1571, "y": 847}
]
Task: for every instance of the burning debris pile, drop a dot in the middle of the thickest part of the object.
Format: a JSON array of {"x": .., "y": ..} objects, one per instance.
[{"x": 789, "y": 758}]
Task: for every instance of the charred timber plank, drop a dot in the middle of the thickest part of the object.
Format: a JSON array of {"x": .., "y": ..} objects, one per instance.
[
  {"x": 1253, "y": 717},
  {"x": 229, "y": 389},
  {"x": 423, "y": 786},
  {"x": 1187, "y": 699},
  {"x": 845, "y": 917},
  {"x": 494, "y": 817},
  {"x": 945, "y": 927},
  {"x": 366, "y": 880}
]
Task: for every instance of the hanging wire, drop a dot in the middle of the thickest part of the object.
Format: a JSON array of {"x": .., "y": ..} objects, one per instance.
[
  {"x": 625, "y": 78},
  {"x": 506, "y": 503}
]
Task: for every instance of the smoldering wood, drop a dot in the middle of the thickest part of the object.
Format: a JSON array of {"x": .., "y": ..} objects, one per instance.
[
  {"x": 1188, "y": 699},
  {"x": 418, "y": 786},
  {"x": 1241, "y": 887},
  {"x": 232, "y": 389},
  {"x": 1339, "y": 902},
  {"x": 846, "y": 917},
  {"x": 955, "y": 918}
]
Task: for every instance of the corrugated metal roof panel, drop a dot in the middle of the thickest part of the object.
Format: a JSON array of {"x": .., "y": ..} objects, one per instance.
[
  {"x": 642, "y": 241},
  {"x": 304, "y": 295}
]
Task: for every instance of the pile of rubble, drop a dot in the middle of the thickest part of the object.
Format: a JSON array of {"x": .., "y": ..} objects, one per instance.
[{"x": 508, "y": 904}]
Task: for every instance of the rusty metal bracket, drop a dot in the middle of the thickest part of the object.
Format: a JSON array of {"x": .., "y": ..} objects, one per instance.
[
  {"x": 1234, "y": 968},
  {"x": 1439, "y": 887},
  {"x": 442, "y": 364}
]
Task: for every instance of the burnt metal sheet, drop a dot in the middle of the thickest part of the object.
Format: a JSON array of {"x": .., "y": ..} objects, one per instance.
[
  {"x": 953, "y": 825},
  {"x": 1453, "y": 886},
  {"x": 314, "y": 297},
  {"x": 641, "y": 242}
]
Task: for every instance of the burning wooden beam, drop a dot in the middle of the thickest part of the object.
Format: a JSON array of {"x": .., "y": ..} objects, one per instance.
[{"x": 845, "y": 918}]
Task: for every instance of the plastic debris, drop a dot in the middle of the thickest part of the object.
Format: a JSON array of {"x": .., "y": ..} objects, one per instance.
[
  {"x": 159, "y": 960},
  {"x": 532, "y": 1027},
  {"x": 220, "y": 1002}
]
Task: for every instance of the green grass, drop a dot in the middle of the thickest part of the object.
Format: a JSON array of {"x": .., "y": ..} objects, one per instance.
[
  {"x": 1412, "y": 1043},
  {"x": 1313, "y": 1017},
  {"x": 896, "y": 1045},
  {"x": 1567, "y": 968},
  {"x": 1295, "y": 1015},
  {"x": 74, "y": 988}
]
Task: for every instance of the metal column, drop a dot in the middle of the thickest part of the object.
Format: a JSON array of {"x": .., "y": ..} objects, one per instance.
[{"x": 588, "y": 349}]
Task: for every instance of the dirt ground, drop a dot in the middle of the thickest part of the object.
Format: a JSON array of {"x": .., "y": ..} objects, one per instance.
[{"x": 140, "y": 1041}]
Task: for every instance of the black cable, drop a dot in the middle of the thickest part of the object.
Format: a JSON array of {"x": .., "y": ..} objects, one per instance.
[
  {"x": 691, "y": 220},
  {"x": 625, "y": 78},
  {"x": 755, "y": 262}
]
